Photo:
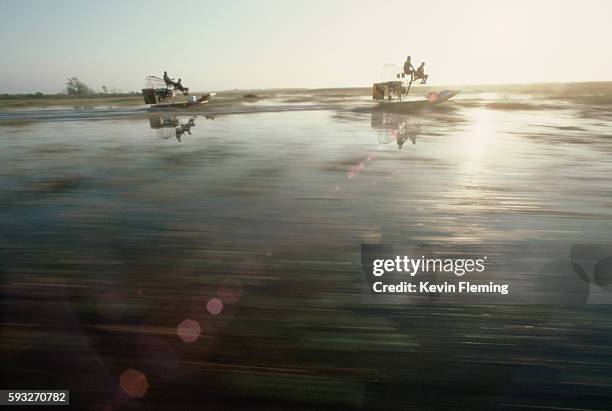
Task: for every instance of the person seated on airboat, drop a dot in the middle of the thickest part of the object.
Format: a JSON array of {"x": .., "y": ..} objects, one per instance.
[
  {"x": 420, "y": 74},
  {"x": 175, "y": 85},
  {"x": 168, "y": 80},
  {"x": 408, "y": 69},
  {"x": 179, "y": 86}
]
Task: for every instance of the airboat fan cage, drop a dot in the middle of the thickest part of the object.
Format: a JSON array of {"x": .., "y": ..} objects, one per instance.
[
  {"x": 157, "y": 91},
  {"x": 154, "y": 82},
  {"x": 391, "y": 84}
]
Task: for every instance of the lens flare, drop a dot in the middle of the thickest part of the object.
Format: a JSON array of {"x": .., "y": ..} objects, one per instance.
[
  {"x": 189, "y": 330},
  {"x": 214, "y": 306},
  {"x": 134, "y": 383}
]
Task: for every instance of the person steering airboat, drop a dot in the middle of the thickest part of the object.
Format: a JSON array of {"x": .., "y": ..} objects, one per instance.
[
  {"x": 175, "y": 85},
  {"x": 408, "y": 68}
]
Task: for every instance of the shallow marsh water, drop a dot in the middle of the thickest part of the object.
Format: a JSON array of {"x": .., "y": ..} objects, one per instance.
[{"x": 119, "y": 226}]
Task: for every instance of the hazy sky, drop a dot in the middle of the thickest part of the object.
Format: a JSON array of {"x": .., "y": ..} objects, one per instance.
[{"x": 216, "y": 45}]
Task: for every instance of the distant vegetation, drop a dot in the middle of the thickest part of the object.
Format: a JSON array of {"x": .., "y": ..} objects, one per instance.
[
  {"x": 76, "y": 93},
  {"x": 40, "y": 95},
  {"x": 75, "y": 86}
]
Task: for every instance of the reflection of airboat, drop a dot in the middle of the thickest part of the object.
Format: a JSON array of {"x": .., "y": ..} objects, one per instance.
[
  {"x": 161, "y": 95},
  {"x": 396, "y": 127},
  {"x": 394, "y": 88},
  {"x": 170, "y": 126}
]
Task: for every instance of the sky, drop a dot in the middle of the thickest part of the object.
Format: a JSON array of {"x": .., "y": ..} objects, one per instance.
[{"x": 251, "y": 44}]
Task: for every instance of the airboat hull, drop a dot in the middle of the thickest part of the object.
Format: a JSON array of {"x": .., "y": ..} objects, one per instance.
[
  {"x": 184, "y": 104},
  {"x": 181, "y": 105},
  {"x": 434, "y": 98}
]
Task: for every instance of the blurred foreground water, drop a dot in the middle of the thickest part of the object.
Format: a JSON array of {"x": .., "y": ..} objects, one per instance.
[{"x": 174, "y": 261}]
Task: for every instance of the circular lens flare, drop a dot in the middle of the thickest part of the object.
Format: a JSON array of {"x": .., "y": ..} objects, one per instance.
[
  {"x": 214, "y": 306},
  {"x": 189, "y": 330},
  {"x": 134, "y": 383}
]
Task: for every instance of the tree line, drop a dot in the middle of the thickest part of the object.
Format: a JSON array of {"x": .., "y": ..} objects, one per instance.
[{"x": 74, "y": 86}]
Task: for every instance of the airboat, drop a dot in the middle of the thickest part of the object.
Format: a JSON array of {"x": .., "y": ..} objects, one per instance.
[
  {"x": 163, "y": 96},
  {"x": 393, "y": 90}
]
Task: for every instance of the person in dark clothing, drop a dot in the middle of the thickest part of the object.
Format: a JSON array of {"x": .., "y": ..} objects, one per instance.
[
  {"x": 179, "y": 86},
  {"x": 167, "y": 79},
  {"x": 408, "y": 68},
  {"x": 420, "y": 74}
]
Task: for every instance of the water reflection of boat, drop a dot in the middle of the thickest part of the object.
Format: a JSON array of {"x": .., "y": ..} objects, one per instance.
[
  {"x": 171, "y": 126},
  {"x": 396, "y": 127}
]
